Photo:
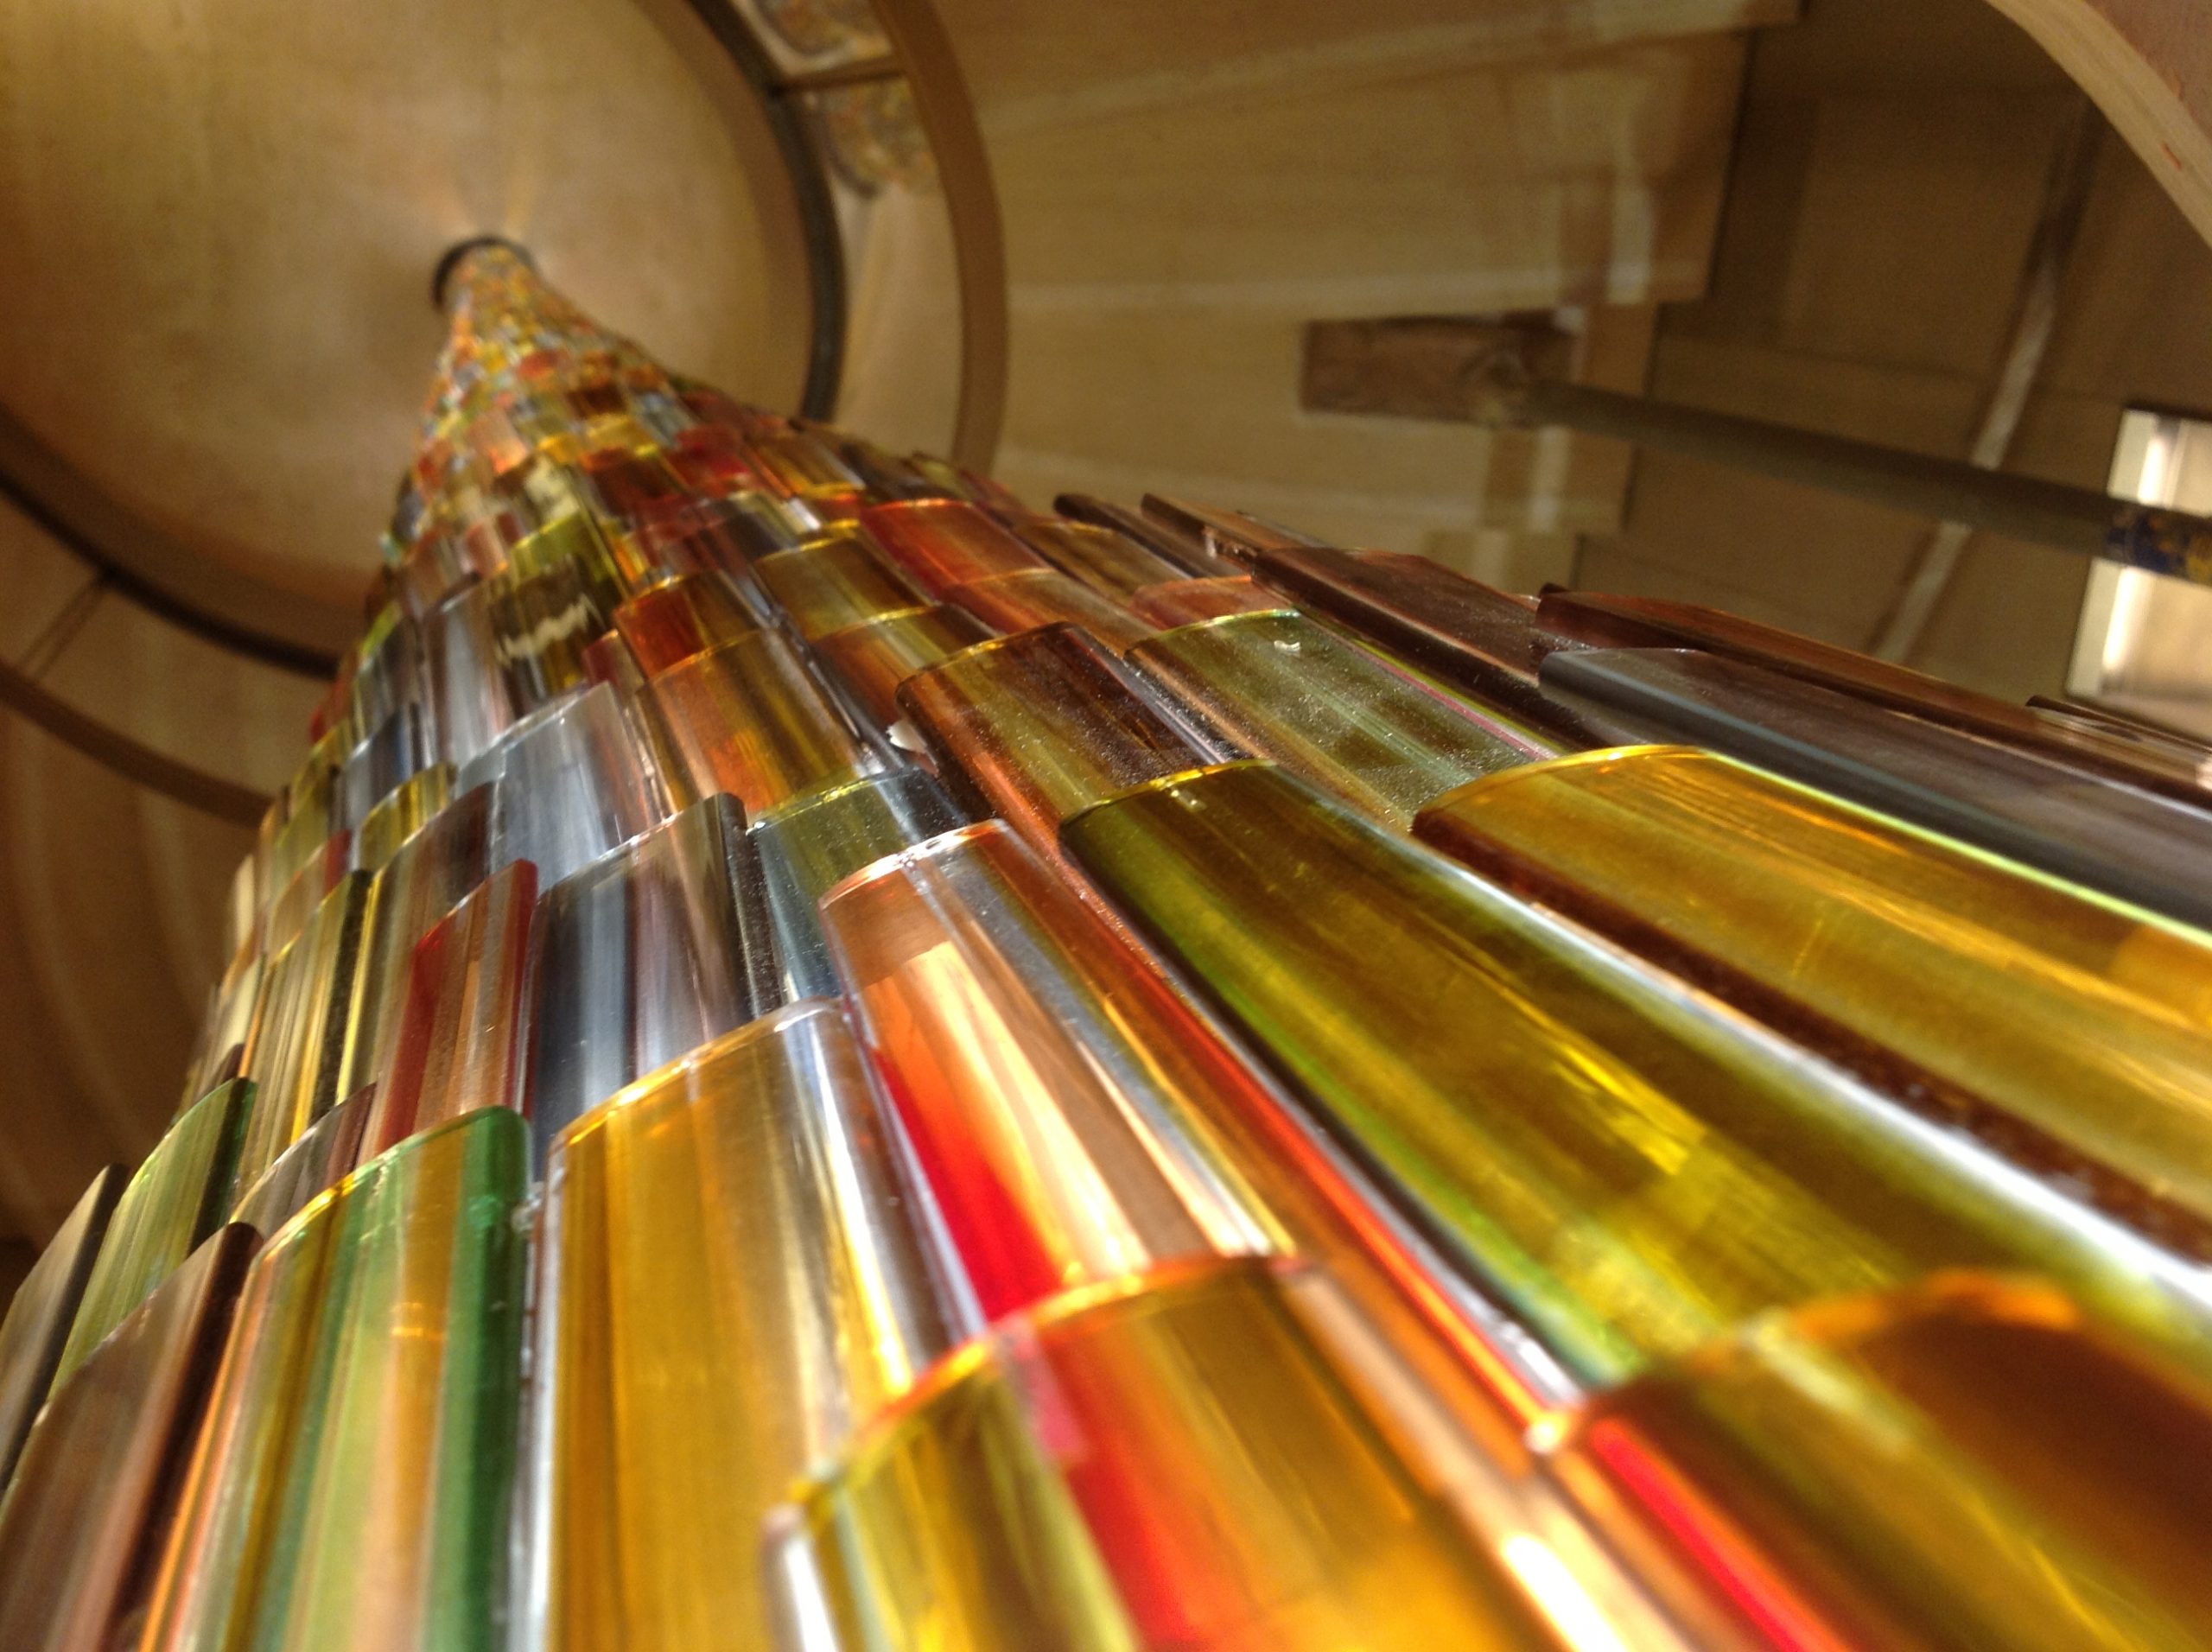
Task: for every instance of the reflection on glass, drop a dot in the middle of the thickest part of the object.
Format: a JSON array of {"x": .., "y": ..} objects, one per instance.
[
  {"x": 94, "y": 1491},
  {"x": 573, "y": 783},
  {"x": 1629, "y": 1167},
  {"x": 746, "y": 719},
  {"x": 179, "y": 1196},
  {"x": 808, "y": 846},
  {"x": 44, "y": 1307},
  {"x": 2071, "y": 1032},
  {"x": 350, "y": 1490},
  {"x": 1048, "y": 1079},
  {"x": 644, "y": 955},
  {"x": 1278, "y": 686},
  {"x": 735, "y": 1272},
  {"x": 1969, "y": 1463},
  {"x": 1033, "y": 729},
  {"x": 460, "y": 1037},
  {"x": 1186, "y": 1464}
]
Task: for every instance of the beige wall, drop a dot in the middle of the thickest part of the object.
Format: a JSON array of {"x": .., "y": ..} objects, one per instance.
[{"x": 1888, "y": 177}]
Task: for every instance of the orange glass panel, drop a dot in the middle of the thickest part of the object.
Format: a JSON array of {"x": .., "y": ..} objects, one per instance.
[
  {"x": 944, "y": 542},
  {"x": 1021, "y": 601},
  {"x": 671, "y": 622},
  {"x": 746, "y": 719},
  {"x": 872, "y": 659}
]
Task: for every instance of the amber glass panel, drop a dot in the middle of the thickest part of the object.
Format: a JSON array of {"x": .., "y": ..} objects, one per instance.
[
  {"x": 833, "y": 583},
  {"x": 1102, "y": 559},
  {"x": 1633, "y": 1170},
  {"x": 1015, "y": 602},
  {"x": 734, "y": 1274},
  {"x": 1185, "y": 602},
  {"x": 95, "y": 1490},
  {"x": 944, "y": 542},
  {"x": 1046, "y": 1079},
  {"x": 1034, "y": 727},
  {"x": 39, "y": 1316},
  {"x": 874, "y": 658},
  {"x": 1278, "y": 686},
  {"x": 179, "y": 1196},
  {"x": 1183, "y": 1464},
  {"x": 746, "y": 718},
  {"x": 679, "y": 618},
  {"x": 459, "y": 1045},
  {"x": 2083, "y": 1021},
  {"x": 352, "y": 1488},
  {"x": 1971, "y": 1463}
]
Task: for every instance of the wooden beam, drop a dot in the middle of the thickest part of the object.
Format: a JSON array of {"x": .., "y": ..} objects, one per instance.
[{"x": 2148, "y": 64}]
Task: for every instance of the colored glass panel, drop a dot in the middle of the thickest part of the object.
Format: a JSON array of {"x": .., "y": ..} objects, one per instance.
[
  {"x": 809, "y": 846},
  {"x": 735, "y": 1274},
  {"x": 1009, "y": 603},
  {"x": 644, "y": 955},
  {"x": 1278, "y": 686},
  {"x": 1042, "y": 1074},
  {"x": 1632, "y": 1170},
  {"x": 668, "y": 623},
  {"x": 296, "y": 1050},
  {"x": 352, "y": 1486},
  {"x": 1186, "y": 601},
  {"x": 1035, "y": 728},
  {"x": 874, "y": 658},
  {"x": 573, "y": 785},
  {"x": 95, "y": 1491},
  {"x": 177, "y": 1197},
  {"x": 829, "y": 584},
  {"x": 44, "y": 1307},
  {"x": 1106, "y": 561},
  {"x": 944, "y": 542},
  {"x": 746, "y": 719},
  {"x": 459, "y": 1045},
  {"x": 2070, "y": 1031}
]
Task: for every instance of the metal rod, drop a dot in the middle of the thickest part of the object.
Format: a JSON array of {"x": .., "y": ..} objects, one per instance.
[{"x": 2080, "y": 519}]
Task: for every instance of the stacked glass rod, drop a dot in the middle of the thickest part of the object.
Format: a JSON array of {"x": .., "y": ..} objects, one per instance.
[{"x": 818, "y": 1059}]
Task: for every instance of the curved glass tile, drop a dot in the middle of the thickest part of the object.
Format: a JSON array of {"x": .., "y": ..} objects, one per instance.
[
  {"x": 460, "y": 1038},
  {"x": 352, "y": 1488},
  {"x": 1180, "y": 1463},
  {"x": 573, "y": 783},
  {"x": 1629, "y": 1168},
  {"x": 1010, "y": 603},
  {"x": 735, "y": 1271},
  {"x": 1613, "y": 622},
  {"x": 830, "y": 583},
  {"x": 746, "y": 719},
  {"x": 543, "y": 625},
  {"x": 1480, "y": 641},
  {"x": 44, "y": 1307},
  {"x": 179, "y": 1196},
  {"x": 296, "y": 1050},
  {"x": 1971, "y": 1463},
  {"x": 471, "y": 702},
  {"x": 326, "y": 1153},
  {"x": 1104, "y": 559},
  {"x": 1045, "y": 1080},
  {"x": 645, "y": 954},
  {"x": 2072, "y": 1033},
  {"x": 426, "y": 877},
  {"x": 1278, "y": 686},
  {"x": 95, "y": 1492},
  {"x": 944, "y": 543},
  {"x": 1186, "y": 601},
  {"x": 873, "y": 658},
  {"x": 384, "y": 757},
  {"x": 666, "y": 624},
  {"x": 2142, "y": 848},
  {"x": 1033, "y": 728},
  {"x": 808, "y": 846},
  {"x": 409, "y": 808}
]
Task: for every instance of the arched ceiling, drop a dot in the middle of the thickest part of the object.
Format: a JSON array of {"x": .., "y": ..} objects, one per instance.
[{"x": 218, "y": 218}]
